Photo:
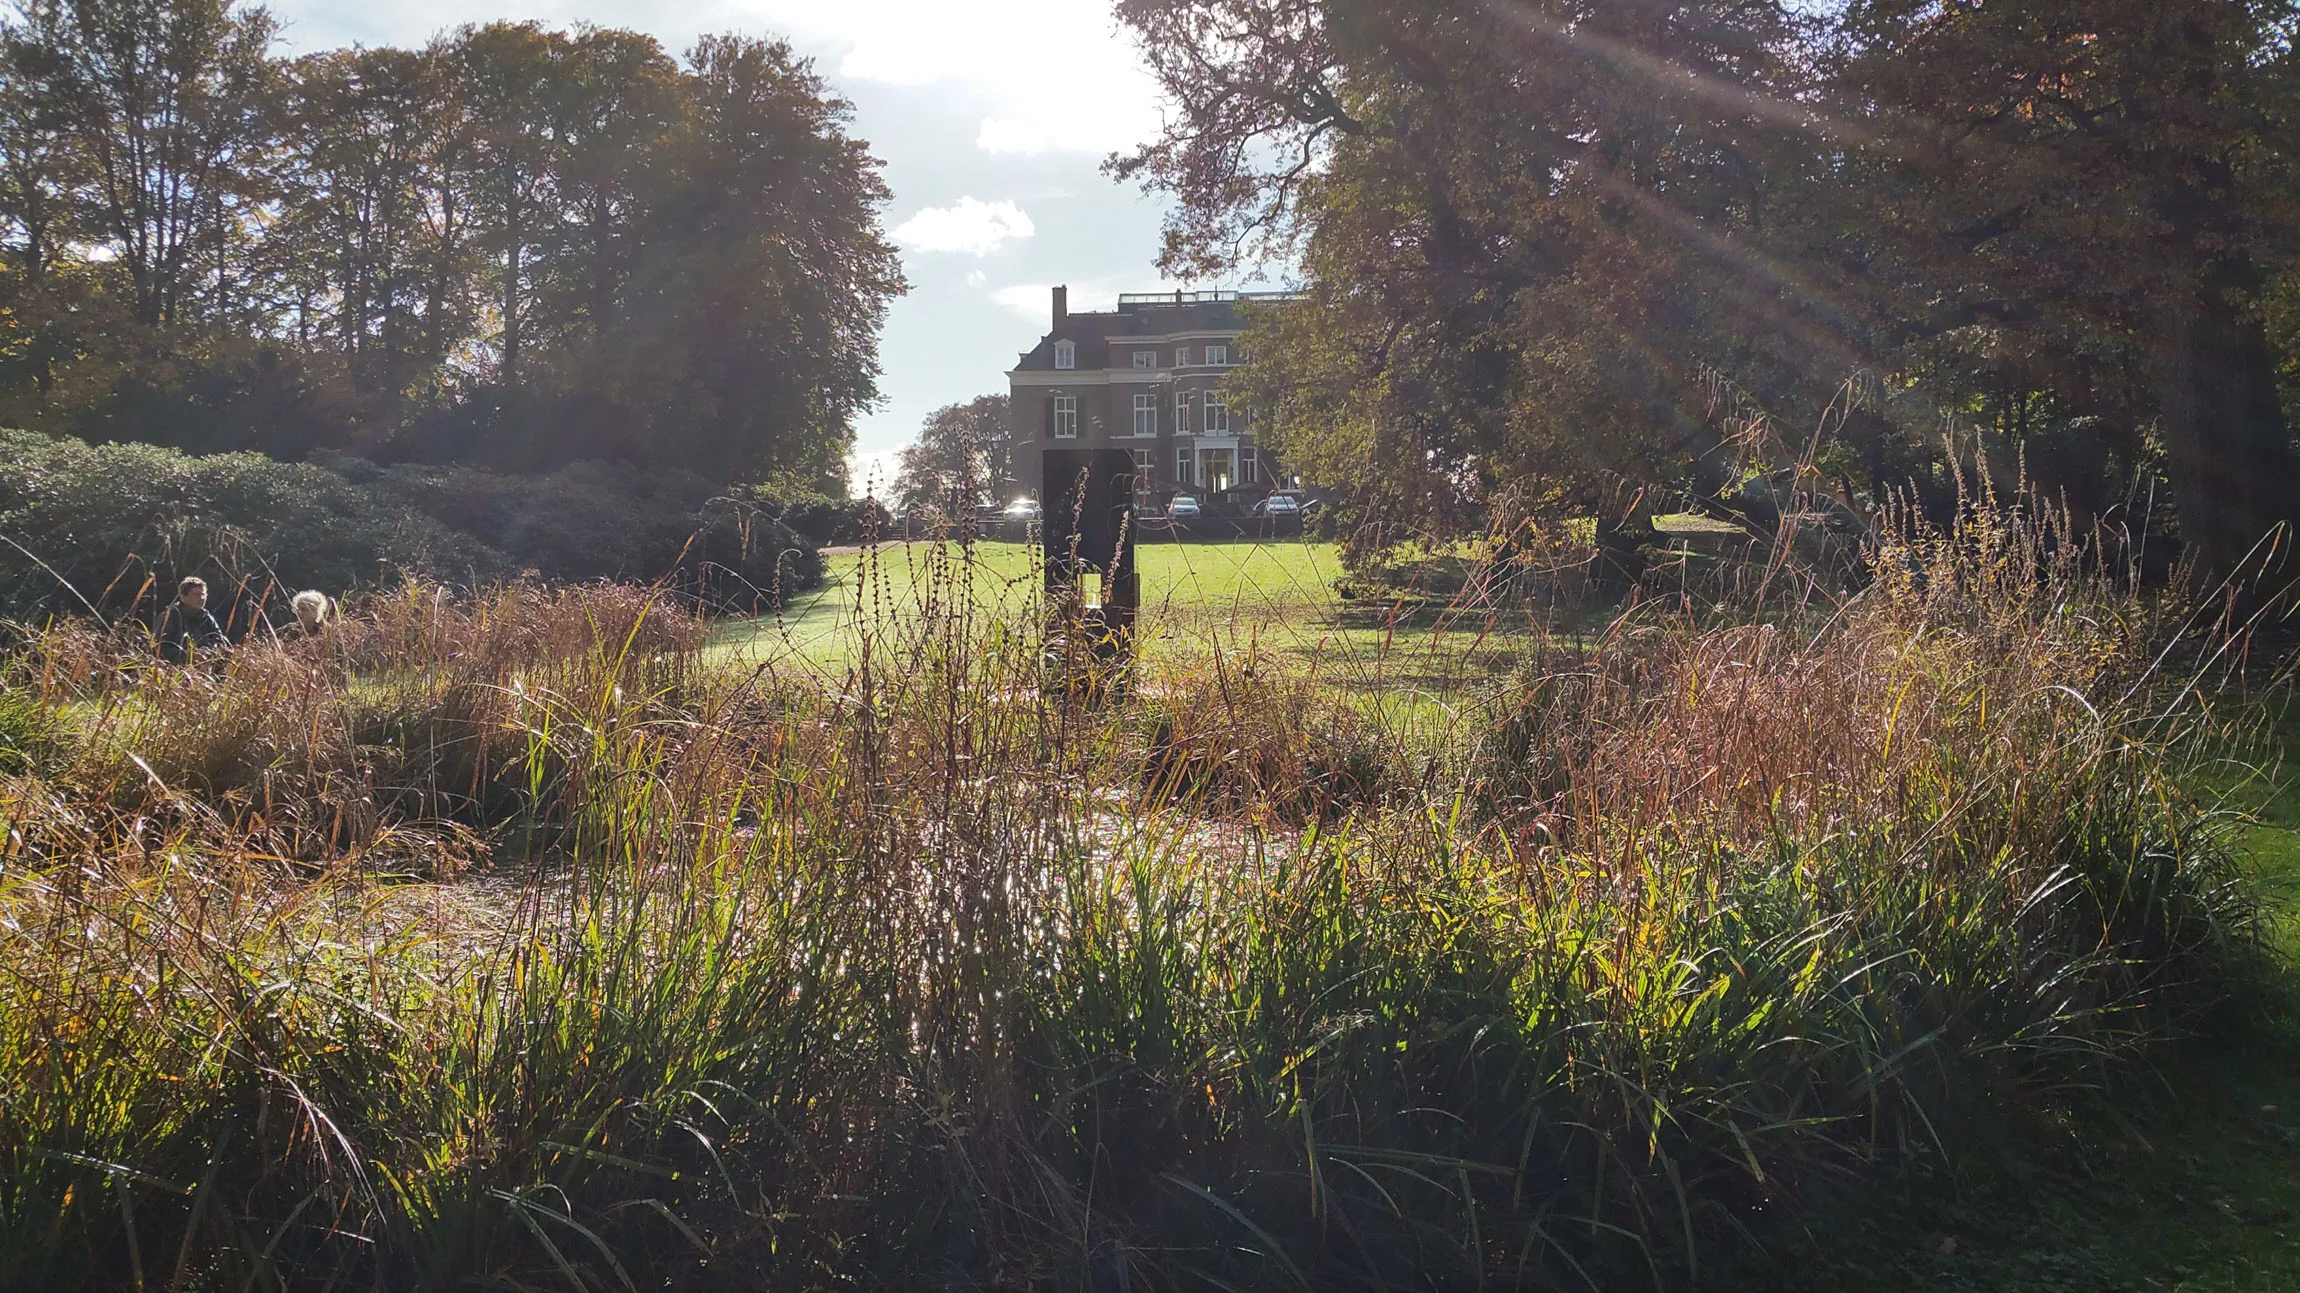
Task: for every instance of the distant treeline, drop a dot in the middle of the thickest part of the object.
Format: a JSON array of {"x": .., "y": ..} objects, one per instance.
[
  {"x": 513, "y": 248},
  {"x": 110, "y": 528}
]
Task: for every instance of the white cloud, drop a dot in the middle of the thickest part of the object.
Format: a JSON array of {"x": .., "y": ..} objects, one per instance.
[
  {"x": 976, "y": 278},
  {"x": 972, "y": 226},
  {"x": 1055, "y": 74}
]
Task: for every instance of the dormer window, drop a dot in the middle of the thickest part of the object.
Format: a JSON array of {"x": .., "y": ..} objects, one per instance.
[
  {"x": 1145, "y": 359},
  {"x": 1065, "y": 355}
]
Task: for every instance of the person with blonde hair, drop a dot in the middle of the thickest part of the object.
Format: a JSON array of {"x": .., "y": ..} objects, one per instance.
[{"x": 312, "y": 612}]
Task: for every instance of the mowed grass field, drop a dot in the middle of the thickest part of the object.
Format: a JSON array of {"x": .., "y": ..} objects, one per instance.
[
  {"x": 1182, "y": 585},
  {"x": 1279, "y": 597}
]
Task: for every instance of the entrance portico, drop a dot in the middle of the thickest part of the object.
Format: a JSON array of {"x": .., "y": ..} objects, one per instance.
[{"x": 1214, "y": 465}]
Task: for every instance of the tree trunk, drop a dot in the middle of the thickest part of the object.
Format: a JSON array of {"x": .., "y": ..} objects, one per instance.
[
  {"x": 602, "y": 272},
  {"x": 2228, "y": 450},
  {"x": 443, "y": 276},
  {"x": 511, "y": 303},
  {"x": 36, "y": 292}
]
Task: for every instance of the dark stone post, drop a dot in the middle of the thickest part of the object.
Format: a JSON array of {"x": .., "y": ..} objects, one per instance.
[{"x": 1087, "y": 524}]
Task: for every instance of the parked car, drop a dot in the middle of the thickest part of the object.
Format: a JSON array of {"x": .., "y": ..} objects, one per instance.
[
  {"x": 1019, "y": 521},
  {"x": 1278, "y": 506},
  {"x": 1183, "y": 508}
]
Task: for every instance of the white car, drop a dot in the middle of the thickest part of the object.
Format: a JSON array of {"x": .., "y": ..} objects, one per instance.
[
  {"x": 1279, "y": 505},
  {"x": 1022, "y": 509},
  {"x": 1183, "y": 508}
]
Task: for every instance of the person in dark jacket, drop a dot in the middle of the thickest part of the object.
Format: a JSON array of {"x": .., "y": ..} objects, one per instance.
[{"x": 189, "y": 629}]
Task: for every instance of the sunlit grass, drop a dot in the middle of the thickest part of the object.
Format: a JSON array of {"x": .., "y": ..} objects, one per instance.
[
  {"x": 559, "y": 950},
  {"x": 1190, "y": 592},
  {"x": 1276, "y": 601}
]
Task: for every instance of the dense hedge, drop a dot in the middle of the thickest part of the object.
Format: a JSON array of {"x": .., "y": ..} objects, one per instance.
[
  {"x": 110, "y": 525},
  {"x": 596, "y": 520}
]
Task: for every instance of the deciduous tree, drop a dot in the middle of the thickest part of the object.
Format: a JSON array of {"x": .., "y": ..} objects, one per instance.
[
  {"x": 517, "y": 247},
  {"x": 1570, "y": 256},
  {"x": 958, "y": 460}
]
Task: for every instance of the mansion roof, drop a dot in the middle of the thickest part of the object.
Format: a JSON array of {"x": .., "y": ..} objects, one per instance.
[{"x": 1143, "y": 317}]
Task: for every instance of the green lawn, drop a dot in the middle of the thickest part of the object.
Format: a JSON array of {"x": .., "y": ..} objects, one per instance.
[
  {"x": 874, "y": 587},
  {"x": 1412, "y": 661},
  {"x": 1412, "y": 664},
  {"x": 1195, "y": 595}
]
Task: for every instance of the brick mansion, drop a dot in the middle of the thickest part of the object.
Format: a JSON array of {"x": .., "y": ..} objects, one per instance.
[{"x": 1145, "y": 377}]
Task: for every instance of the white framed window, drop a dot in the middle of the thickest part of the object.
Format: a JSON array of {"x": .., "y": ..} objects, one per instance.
[
  {"x": 1182, "y": 460},
  {"x": 1145, "y": 359},
  {"x": 1218, "y": 355},
  {"x": 1181, "y": 412},
  {"x": 1065, "y": 355},
  {"x": 1217, "y": 414},
  {"x": 1249, "y": 465},
  {"x": 1066, "y": 417},
  {"x": 1181, "y": 356},
  {"x": 1146, "y": 415},
  {"x": 1145, "y": 469}
]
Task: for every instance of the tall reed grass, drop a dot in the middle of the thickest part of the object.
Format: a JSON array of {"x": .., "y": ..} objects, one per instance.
[{"x": 506, "y": 945}]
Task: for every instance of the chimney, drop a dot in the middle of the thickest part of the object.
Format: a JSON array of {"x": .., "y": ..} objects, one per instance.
[{"x": 1061, "y": 308}]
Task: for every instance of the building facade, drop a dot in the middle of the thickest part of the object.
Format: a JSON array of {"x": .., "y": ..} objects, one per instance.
[{"x": 1145, "y": 377}]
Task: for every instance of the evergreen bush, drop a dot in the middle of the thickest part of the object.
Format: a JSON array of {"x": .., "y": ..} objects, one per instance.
[{"x": 111, "y": 527}]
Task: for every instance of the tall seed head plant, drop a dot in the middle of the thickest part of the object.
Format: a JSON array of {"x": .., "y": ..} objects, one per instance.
[{"x": 525, "y": 941}]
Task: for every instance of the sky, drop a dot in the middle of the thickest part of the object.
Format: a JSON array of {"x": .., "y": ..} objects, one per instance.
[{"x": 992, "y": 117}]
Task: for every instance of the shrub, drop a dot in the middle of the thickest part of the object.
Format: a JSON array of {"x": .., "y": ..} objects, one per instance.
[
  {"x": 594, "y": 520},
  {"x": 819, "y": 518},
  {"x": 112, "y": 527}
]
